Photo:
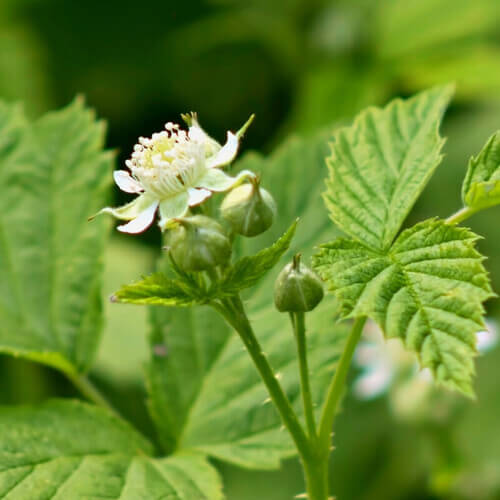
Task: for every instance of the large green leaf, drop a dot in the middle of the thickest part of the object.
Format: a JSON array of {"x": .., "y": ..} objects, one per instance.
[
  {"x": 204, "y": 391},
  {"x": 53, "y": 175},
  {"x": 381, "y": 163},
  {"x": 427, "y": 290},
  {"x": 67, "y": 450},
  {"x": 481, "y": 187}
]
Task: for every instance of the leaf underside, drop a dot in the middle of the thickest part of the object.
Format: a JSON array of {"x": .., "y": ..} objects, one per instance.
[
  {"x": 67, "y": 450},
  {"x": 481, "y": 187},
  {"x": 380, "y": 164},
  {"x": 427, "y": 290},
  {"x": 53, "y": 175}
]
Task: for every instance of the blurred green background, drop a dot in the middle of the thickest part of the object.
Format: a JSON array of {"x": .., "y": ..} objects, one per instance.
[{"x": 301, "y": 66}]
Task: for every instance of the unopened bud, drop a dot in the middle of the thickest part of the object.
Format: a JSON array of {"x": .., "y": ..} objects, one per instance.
[
  {"x": 297, "y": 288},
  {"x": 198, "y": 243},
  {"x": 249, "y": 209}
]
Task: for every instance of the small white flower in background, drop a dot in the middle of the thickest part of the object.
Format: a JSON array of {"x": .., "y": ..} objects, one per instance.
[
  {"x": 172, "y": 171},
  {"x": 383, "y": 361}
]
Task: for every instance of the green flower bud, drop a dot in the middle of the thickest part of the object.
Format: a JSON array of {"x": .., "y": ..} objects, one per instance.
[
  {"x": 297, "y": 288},
  {"x": 198, "y": 243},
  {"x": 249, "y": 209}
]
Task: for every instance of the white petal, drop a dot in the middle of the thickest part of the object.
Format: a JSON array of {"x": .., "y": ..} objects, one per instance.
[
  {"x": 126, "y": 182},
  {"x": 216, "y": 180},
  {"x": 225, "y": 155},
  {"x": 130, "y": 210},
  {"x": 196, "y": 196},
  {"x": 175, "y": 206},
  {"x": 141, "y": 222}
]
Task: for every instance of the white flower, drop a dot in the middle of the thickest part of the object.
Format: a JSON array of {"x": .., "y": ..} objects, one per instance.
[{"x": 172, "y": 171}]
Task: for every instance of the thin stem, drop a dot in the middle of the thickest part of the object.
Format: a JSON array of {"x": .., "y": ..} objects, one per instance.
[
  {"x": 461, "y": 215},
  {"x": 232, "y": 310},
  {"x": 90, "y": 391},
  {"x": 337, "y": 384},
  {"x": 299, "y": 327}
]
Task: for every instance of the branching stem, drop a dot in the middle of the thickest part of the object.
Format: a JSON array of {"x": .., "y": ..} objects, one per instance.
[{"x": 232, "y": 310}]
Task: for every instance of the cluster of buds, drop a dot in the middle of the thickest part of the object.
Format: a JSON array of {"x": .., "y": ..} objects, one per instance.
[{"x": 176, "y": 170}]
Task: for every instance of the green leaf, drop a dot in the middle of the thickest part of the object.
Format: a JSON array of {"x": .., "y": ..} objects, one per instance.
[
  {"x": 53, "y": 175},
  {"x": 427, "y": 290},
  {"x": 481, "y": 187},
  {"x": 158, "y": 290},
  {"x": 69, "y": 450},
  {"x": 247, "y": 271},
  {"x": 381, "y": 164},
  {"x": 204, "y": 392}
]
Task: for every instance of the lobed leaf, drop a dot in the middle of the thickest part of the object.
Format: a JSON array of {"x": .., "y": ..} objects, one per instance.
[
  {"x": 53, "y": 175},
  {"x": 67, "y": 450},
  {"x": 427, "y": 290},
  {"x": 380, "y": 165},
  {"x": 481, "y": 187}
]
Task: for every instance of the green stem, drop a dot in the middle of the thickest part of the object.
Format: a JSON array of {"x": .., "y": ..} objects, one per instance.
[
  {"x": 337, "y": 384},
  {"x": 461, "y": 215},
  {"x": 232, "y": 310},
  {"x": 316, "y": 474},
  {"x": 299, "y": 327},
  {"x": 90, "y": 391}
]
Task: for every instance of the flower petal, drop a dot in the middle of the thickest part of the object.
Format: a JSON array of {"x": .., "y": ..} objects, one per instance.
[
  {"x": 225, "y": 155},
  {"x": 141, "y": 222},
  {"x": 175, "y": 206},
  {"x": 216, "y": 180},
  {"x": 196, "y": 196},
  {"x": 130, "y": 210},
  {"x": 126, "y": 182}
]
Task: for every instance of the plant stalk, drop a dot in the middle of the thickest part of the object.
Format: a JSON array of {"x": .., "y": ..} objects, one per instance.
[
  {"x": 299, "y": 327},
  {"x": 233, "y": 312},
  {"x": 337, "y": 384},
  {"x": 461, "y": 215}
]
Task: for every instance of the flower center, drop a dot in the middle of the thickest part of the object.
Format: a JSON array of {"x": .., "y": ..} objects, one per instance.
[{"x": 167, "y": 163}]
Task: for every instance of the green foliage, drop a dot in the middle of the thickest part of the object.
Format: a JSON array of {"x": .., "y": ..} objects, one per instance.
[
  {"x": 481, "y": 187},
  {"x": 53, "y": 175},
  {"x": 160, "y": 290},
  {"x": 381, "y": 163},
  {"x": 67, "y": 449},
  {"x": 427, "y": 290},
  {"x": 248, "y": 271},
  {"x": 204, "y": 392},
  {"x": 206, "y": 395}
]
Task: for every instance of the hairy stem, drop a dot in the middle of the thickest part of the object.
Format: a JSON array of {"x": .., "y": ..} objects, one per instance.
[
  {"x": 233, "y": 312},
  {"x": 299, "y": 327},
  {"x": 90, "y": 391},
  {"x": 337, "y": 384},
  {"x": 316, "y": 474}
]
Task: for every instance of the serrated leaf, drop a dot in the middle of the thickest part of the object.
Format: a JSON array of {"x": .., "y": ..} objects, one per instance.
[
  {"x": 53, "y": 175},
  {"x": 428, "y": 290},
  {"x": 481, "y": 187},
  {"x": 247, "y": 271},
  {"x": 203, "y": 390},
  {"x": 381, "y": 163},
  {"x": 156, "y": 289},
  {"x": 67, "y": 450}
]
